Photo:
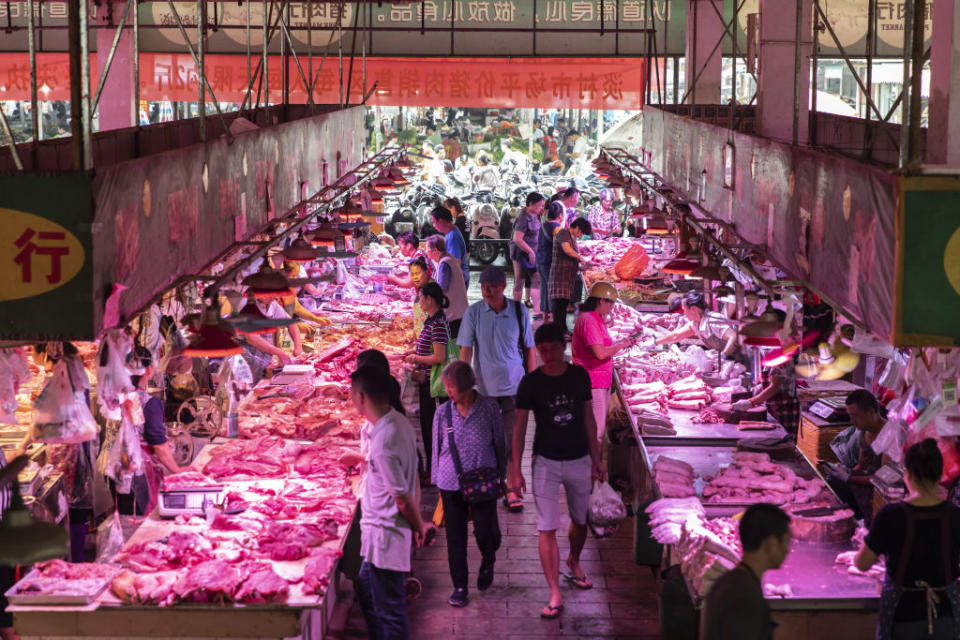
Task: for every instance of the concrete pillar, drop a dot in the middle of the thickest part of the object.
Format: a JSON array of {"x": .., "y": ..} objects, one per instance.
[
  {"x": 704, "y": 29},
  {"x": 943, "y": 131},
  {"x": 778, "y": 100},
  {"x": 116, "y": 109}
]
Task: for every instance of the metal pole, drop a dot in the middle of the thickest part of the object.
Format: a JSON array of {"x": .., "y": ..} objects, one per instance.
[
  {"x": 692, "y": 90},
  {"x": 340, "y": 47},
  {"x": 812, "y": 129},
  {"x": 111, "y": 54},
  {"x": 34, "y": 103},
  {"x": 285, "y": 45},
  {"x": 309, "y": 87},
  {"x": 916, "y": 80},
  {"x": 76, "y": 114},
  {"x": 905, "y": 119},
  {"x": 363, "y": 58},
  {"x": 796, "y": 73},
  {"x": 201, "y": 75},
  {"x": 136, "y": 65},
  {"x": 353, "y": 49},
  {"x": 13, "y": 147},
  {"x": 246, "y": 99},
  {"x": 85, "y": 113},
  {"x": 676, "y": 79},
  {"x": 266, "y": 67}
]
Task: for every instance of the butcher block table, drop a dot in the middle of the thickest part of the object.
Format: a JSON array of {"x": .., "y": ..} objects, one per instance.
[
  {"x": 302, "y": 615},
  {"x": 826, "y": 600}
]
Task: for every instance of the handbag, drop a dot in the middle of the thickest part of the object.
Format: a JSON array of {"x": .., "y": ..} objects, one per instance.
[
  {"x": 478, "y": 485},
  {"x": 436, "y": 381}
]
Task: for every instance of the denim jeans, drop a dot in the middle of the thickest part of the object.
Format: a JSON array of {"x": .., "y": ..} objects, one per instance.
[{"x": 383, "y": 600}]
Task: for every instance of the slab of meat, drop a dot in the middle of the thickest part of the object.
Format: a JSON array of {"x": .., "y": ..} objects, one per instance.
[
  {"x": 316, "y": 573},
  {"x": 187, "y": 480},
  {"x": 687, "y": 405},
  {"x": 262, "y": 457},
  {"x": 672, "y": 464},
  {"x": 284, "y": 550},
  {"x": 262, "y": 584},
  {"x": 214, "y": 581}
]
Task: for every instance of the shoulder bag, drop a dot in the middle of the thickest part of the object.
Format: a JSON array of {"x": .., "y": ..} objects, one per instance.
[{"x": 478, "y": 485}]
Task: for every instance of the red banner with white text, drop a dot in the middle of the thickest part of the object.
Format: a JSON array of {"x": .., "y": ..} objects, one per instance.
[{"x": 583, "y": 83}]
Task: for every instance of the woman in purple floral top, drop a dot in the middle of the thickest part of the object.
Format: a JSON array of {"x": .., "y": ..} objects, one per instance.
[{"x": 477, "y": 430}]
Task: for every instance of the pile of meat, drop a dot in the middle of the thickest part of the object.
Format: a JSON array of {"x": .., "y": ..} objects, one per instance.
[
  {"x": 637, "y": 368},
  {"x": 689, "y": 393},
  {"x": 57, "y": 577},
  {"x": 668, "y": 515},
  {"x": 187, "y": 480},
  {"x": 274, "y": 457},
  {"x": 847, "y": 558},
  {"x": 753, "y": 477},
  {"x": 674, "y": 478},
  {"x": 653, "y": 423},
  {"x": 301, "y": 412},
  {"x": 624, "y": 321}
]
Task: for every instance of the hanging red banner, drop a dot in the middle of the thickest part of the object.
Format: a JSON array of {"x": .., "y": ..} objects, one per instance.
[{"x": 582, "y": 83}]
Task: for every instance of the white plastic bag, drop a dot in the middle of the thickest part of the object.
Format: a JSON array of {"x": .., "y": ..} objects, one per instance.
[
  {"x": 606, "y": 510},
  {"x": 891, "y": 440},
  {"x": 697, "y": 357},
  {"x": 126, "y": 455},
  {"x": 13, "y": 373},
  {"x": 61, "y": 416},
  {"x": 109, "y": 538},
  {"x": 113, "y": 377}
]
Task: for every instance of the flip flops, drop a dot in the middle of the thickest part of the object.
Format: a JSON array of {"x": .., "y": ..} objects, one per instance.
[
  {"x": 514, "y": 505},
  {"x": 578, "y": 581},
  {"x": 551, "y": 612}
]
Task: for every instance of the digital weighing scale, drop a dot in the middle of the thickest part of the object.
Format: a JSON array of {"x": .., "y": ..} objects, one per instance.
[
  {"x": 831, "y": 410},
  {"x": 189, "y": 501}
]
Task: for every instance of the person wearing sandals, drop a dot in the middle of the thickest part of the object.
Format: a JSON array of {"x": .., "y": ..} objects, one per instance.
[
  {"x": 496, "y": 337},
  {"x": 523, "y": 249},
  {"x": 566, "y": 453},
  {"x": 467, "y": 435}
]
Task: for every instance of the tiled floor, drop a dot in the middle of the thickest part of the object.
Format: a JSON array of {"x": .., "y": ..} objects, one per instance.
[{"x": 622, "y": 604}]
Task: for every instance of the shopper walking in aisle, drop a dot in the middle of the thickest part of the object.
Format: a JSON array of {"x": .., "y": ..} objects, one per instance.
[
  {"x": 593, "y": 348},
  {"x": 468, "y": 432},
  {"x": 523, "y": 249},
  {"x": 450, "y": 279},
  {"x": 735, "y": 608},
  {"x": 487, "y": 176},
  {"x": 564, "y": 269},
  {"x": 565, "y": 453},
  {"x": 604, "y": 219},
  {"x": 548, "y": 229},
  {"x": 390, "y": 523},
  {"x": 431, "y": 350},
  {"x": 456, "y": 245},
  {"x": 460, "y": 219},
  {"x": 497, "y": 339},
  {"x": 919, "y": 541}
]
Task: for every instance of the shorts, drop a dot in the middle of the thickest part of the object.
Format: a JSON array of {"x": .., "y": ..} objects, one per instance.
[
  {"x": 601, "y": 405},
  {"x": 548, "y": 476}
]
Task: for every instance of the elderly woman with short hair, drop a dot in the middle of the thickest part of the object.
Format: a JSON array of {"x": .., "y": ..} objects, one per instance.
[{"x": 473, "y": 425}]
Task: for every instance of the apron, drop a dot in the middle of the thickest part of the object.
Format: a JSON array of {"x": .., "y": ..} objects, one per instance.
[{"x": 893, "y": 590}]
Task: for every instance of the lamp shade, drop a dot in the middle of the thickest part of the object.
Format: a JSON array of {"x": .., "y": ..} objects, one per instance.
[
  {"x": 251, "y": 320},
  {"x": 214, "y": 338},
  {"x": 397, "y": 176},
  {"x": 657, "y": 225},
  {"x": 267, "y": 283},
  {"x": 709, "y": 271},
  {"x": 326, "y": 236},
  {"x": 679, "y": 267},
  {"x": 766, "y": 326},
  {"x": 382, "y": 183},
  {"x": 300, "y": 251},
  {"x": 757, "y": 341}
]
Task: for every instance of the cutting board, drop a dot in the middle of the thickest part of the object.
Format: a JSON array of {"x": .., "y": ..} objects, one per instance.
[
  {"x": 777, "y": 448},
  {"x": 730, "y": 416}
]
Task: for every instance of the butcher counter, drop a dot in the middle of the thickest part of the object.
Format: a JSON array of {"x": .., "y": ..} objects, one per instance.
[
  {"x": 301, "y": 615},
  {"x": 825, "y": 598}
]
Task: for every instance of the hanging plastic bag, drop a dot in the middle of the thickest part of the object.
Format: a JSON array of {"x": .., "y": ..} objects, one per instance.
[
  {"x": 113, "y": 377},
  {"x": 606, "y": 510},
  {"x": 109, "y": 538},
  {"x": 13, "y": 373},
  {"x": 126, "y": 456},
  {"x": 696, "y": 356},
  {"x": 891, "y": 440},
  {"x": 61, "y": 415},
  {"x": 894, "y": 373}
]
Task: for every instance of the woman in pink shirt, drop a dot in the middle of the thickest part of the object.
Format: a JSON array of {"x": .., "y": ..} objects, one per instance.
[{"x": 593, "y": 348}]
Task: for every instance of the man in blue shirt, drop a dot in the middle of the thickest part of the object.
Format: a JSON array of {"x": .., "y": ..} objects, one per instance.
[
  {"x": 456, "y": 246},
  {"x": 497, "y": 339}
]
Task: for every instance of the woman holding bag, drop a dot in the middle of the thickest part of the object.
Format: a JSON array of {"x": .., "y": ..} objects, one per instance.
[
  {"x": 429, "y": 356},
  {"x": 469, "y": 463}
]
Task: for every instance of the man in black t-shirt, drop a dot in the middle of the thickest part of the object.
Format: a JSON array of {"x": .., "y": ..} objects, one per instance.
[{"x": 565, "y": 452}]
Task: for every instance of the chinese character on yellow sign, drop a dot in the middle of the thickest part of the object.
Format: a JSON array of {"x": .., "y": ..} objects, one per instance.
[{"x": 37, "y": 255}]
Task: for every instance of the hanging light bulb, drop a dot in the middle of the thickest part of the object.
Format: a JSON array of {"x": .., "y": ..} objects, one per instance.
[
  {"x": 267, "y": 283},
  {"x": 214, "y": 337},
  {"x": 300, "y": 252}
]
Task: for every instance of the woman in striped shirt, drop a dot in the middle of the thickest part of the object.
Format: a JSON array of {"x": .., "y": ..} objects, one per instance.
[{"x": 431, "y": 349}]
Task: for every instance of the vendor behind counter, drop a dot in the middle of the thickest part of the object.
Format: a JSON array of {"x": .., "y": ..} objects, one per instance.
[
  {"x": 850, "y": 480},
  {"x": 700, "y": 325}
]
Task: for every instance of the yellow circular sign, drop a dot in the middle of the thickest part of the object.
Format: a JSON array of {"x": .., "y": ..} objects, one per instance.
[
  {"x": 951, "y": 261},
  {"x": 40, "y": 257}
]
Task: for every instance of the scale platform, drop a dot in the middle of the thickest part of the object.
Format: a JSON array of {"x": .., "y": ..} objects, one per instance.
[
  {"x": 293, "y": 374},
  {"x": 189, "y": 501},
  {"x": 831, "y": 410}
]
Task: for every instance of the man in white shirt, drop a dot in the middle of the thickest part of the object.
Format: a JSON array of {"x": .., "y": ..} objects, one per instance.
[{"x": 390, "y": 522}]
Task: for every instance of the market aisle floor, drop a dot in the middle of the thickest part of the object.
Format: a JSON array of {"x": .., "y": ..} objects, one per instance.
[{"x": 622, "y": 604}]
